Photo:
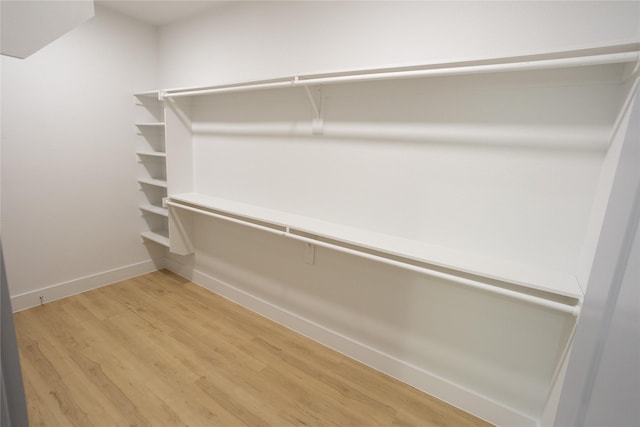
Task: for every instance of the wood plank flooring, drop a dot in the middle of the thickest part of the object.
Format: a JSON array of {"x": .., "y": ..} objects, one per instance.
[{"x": 158, "y": 350}]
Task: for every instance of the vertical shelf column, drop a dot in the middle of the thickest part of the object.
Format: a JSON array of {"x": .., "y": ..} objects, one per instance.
[{"x": 151, "y": 152}]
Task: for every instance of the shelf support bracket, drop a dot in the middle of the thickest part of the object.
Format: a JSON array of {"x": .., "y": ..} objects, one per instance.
[
  {"x": 314, "y": 103},
  {"x": 317, "y": 124}
]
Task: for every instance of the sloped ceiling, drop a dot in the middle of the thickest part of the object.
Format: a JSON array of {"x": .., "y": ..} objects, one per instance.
[{"x": 28, "y": 26}]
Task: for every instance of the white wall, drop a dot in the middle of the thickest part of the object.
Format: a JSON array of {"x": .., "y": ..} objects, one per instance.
[
  {"x": 258, "y": 40},
  {"x": 69, "y": 189}
]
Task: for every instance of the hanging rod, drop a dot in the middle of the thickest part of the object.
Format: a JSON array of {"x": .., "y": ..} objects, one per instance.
[
  {"x": 233, "y": 88},
  {"x": 429, "y": 71},
  {"x": 573, "y": 310}
]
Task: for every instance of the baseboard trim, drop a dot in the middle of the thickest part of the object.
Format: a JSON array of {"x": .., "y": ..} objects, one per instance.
[
  {"x": 62, "y": 290},
  {"x": 440, "y": 388}
]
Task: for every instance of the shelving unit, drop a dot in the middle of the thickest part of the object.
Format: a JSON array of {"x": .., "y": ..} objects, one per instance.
[
  {"x": 152, "y": 155},
  {"x": 486, "y": 177},
  {"x": 591, "y": 66}
]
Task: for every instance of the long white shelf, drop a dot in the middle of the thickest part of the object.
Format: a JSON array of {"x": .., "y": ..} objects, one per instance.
[
  {"x": 155, "y": 210},
  {"x": 614, "y": 54},
  {"x": 156, "y": 237},
  {"x": 151, "y": 181},
  {"x": 352, "y": 239}
]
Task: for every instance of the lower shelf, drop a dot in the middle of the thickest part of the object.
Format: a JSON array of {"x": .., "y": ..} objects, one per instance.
[
  {"x": 156, "y": 238},
  {"x": 155, "y": 210},
  {"x": 152, "y": 181},
  {"x": 553, "y": 289},
  {"x": 158, "y": 154}
]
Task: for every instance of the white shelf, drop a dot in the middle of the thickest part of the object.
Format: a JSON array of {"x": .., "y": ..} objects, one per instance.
[
  {"x": 160, "y": 154},
  {"x": 150, "y": 94},
  {"x": 556, "y": 283},
  {"x": 155, "y": 210},
  {"x": 151, "y": 181},
  {"x": 151, "y": 124},
  {"x": 156, "y": 237},
  {"x": 615, "y": 54}
]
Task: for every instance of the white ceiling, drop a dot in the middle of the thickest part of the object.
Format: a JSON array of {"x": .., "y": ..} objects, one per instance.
[{"x": 161, "y": 12}]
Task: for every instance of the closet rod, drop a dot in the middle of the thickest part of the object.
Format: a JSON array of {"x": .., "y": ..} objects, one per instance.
[
  {"x": 233, "y": 88},
  {"x": 371, "y": 75},
  {"x": 532, "y": 299}
]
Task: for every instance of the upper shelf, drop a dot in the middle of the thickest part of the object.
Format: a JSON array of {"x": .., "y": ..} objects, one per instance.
[
  {"x": 615, "y": 54},
  {"x": 555, "y": 283},
  {"x": 154, "y": 94}
]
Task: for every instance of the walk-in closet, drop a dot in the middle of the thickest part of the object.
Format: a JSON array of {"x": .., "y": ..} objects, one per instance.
[{"x": 321, "y": 213}]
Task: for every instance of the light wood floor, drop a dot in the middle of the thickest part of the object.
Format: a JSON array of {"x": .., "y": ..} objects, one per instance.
[{"x": 158, "y": 350}]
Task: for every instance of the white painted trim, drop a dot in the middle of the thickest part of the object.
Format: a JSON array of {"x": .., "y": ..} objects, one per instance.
[
  {"x": 440, "y": 388},
  {"x": 79, "y": 285}
]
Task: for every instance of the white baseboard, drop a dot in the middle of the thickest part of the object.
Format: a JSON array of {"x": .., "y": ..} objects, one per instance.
[
  {"x": 61, "y": 290},
  {"x": 440, "y": 388}
]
